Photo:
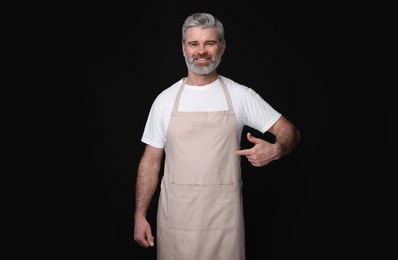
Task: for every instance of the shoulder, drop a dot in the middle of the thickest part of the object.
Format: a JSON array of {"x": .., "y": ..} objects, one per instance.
[{"x": 236, "y": 88}]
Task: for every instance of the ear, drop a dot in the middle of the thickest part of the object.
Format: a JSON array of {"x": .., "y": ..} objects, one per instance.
[{"x": 183, "y": 50}]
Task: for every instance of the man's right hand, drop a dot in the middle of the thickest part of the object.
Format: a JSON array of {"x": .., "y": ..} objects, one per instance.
[{"x": 143, "y": 233}]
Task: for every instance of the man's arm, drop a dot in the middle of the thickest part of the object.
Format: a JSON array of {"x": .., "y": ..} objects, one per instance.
[
  {"x": 146, "y": 185},
  {"x": 262, "y": 153}
]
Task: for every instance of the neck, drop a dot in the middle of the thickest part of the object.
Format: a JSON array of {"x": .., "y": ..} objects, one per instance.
[{"x": 201, "y": 80}]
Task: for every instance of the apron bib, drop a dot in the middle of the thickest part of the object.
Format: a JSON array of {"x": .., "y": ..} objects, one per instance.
[{"x": 200, "y": 210}]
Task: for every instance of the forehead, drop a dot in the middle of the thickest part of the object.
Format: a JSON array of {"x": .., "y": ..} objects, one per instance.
[{"x": 201, "y": 34}]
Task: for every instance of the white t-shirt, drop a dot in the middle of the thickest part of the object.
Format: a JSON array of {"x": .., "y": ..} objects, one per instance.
[{"x": 250, "y": 108}]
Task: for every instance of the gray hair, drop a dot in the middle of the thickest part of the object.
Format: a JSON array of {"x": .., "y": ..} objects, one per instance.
[{"x": 203, "y": 20}]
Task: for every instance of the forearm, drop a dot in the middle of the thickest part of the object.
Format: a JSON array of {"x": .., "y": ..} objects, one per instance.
[
  {"x": 146, "y": 185},
  {"x": 287, "y": 139}
]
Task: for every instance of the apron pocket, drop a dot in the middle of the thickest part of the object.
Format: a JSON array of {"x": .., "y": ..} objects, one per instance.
[{"x": 205, "y": 207}]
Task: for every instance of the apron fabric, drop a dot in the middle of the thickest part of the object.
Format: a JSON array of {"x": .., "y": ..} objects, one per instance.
[{"x": 200, "y": 209}]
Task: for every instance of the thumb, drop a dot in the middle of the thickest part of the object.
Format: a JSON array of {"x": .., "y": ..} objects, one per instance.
[
  {"x": 252, "y": 139},
  {"x": 150, "y": 239}
]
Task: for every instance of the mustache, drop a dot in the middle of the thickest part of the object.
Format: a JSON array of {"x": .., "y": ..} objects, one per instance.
[{"x": 192, "y": 59}]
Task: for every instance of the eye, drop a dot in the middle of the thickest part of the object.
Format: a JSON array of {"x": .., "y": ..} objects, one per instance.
[{"x": 211, "y": 43}]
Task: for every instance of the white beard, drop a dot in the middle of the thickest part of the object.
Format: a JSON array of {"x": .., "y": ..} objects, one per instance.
[{"x": 203, "y": 70}]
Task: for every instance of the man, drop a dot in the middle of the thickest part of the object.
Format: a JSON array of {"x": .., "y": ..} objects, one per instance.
[{"x": 197, "y": 124}]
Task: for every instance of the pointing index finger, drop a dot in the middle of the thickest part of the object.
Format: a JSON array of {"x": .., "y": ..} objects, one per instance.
[{"x": 243, "y": 152}]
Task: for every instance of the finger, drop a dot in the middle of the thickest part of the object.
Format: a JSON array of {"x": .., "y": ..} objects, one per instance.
[
  {"x": 243, "y": 152},
  {"x": 150, "y": 239},
  {"x": 251, "y": 138}
]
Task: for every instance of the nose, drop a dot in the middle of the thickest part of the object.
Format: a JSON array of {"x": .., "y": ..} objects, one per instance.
[{"x": 202, "y": 49}]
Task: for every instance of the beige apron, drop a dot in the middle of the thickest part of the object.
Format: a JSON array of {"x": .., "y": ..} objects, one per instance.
[{"x": 200, "y": 210}]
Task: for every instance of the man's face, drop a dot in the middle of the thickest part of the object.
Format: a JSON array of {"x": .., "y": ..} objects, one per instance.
[{"x": 202, "y": 50}]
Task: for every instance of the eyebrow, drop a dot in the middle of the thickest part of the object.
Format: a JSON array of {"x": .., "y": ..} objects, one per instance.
[{"x": 209, "y": 41}]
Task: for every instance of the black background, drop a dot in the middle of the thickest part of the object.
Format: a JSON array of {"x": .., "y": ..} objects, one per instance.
[{"x": 115, "y": 60}]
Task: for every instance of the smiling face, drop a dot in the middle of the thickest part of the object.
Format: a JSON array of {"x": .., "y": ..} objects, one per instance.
[{"x": 202, "y": 50}]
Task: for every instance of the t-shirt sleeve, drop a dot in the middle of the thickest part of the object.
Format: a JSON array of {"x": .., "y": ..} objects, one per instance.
[
  {"x": 154, "y": 134},
  {"x": 259, "y": 114}
]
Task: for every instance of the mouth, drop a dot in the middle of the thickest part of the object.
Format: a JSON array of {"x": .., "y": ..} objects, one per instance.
[{"x": 201, "y": 60}]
